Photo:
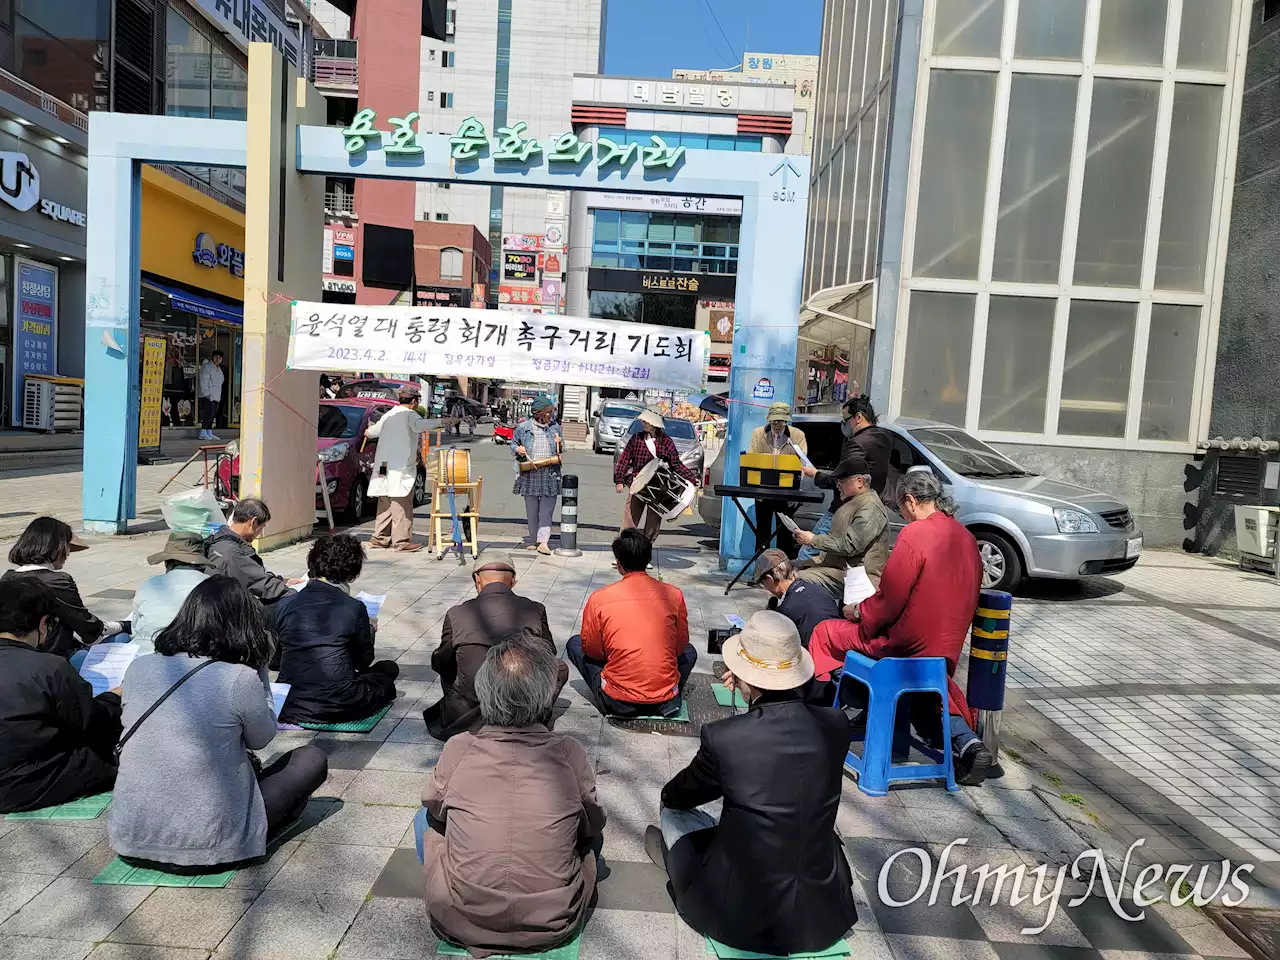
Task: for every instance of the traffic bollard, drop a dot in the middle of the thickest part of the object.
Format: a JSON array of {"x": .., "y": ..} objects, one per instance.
[
  {"x": 568, "y": 517},
  {"x": 988, "y": 665}
]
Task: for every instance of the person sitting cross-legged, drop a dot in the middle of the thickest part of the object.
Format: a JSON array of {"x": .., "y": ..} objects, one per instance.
[
  {"x": 158, "y": 599},
  {"x": 510, "y": 816},
  {"x": 326, "y": 642},
  {"x": 56, "y": 737},
  {"x": 924, "y": 608},
  {"x": 769, "y": 875},
  {"x": 804, "y": 604},
  {"x": 634, "y": 651},
  {"x": 470, "y": 628}
]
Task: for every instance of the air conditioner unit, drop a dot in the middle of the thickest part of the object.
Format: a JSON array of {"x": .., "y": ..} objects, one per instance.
[{"x": 51, "y": 406}]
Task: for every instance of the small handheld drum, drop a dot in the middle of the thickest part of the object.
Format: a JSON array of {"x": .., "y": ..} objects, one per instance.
[
  {"x": 455, "y": 466},
  {"x": 659, "y": 488}
]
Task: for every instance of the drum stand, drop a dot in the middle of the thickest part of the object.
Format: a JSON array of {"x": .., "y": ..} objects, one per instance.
[{"x": 441, "y": 514}]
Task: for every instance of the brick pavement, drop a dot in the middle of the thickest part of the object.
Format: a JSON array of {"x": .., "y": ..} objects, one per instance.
[{"x": 347, "y": 885}]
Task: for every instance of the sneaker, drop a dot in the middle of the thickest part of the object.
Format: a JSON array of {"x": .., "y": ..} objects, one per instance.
[
  {"x": 379, "y": 545},
  {"x": 202, "y": 435},
  {"x": 213, "y": 437},
  {"x": 973, "y": 763},
  {"x": 408, "y": 547}
]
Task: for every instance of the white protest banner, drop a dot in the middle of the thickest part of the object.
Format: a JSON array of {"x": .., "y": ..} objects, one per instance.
[{"x": 524, "y": 347}]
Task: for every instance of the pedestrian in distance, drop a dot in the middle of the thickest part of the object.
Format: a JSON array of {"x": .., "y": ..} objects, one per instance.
[
  {"x": 537, "y": 445},
  {"x": 651, "y": 443},
  {"x": 209, "y": 393},
  {"x": 396, "y": 471}
]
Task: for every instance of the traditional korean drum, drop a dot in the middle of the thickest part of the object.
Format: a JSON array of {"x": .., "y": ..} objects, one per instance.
[{"x": 659, "y": 488}]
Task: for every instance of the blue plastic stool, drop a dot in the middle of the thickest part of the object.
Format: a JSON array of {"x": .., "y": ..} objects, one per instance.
[{"x": 888, "y": 726}]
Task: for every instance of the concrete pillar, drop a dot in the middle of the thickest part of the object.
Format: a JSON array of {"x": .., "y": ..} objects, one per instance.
[
  {"x": 284, "y": 223},
  {"x": 576, "y": 294},
  {"x": 111, "y": 332}
]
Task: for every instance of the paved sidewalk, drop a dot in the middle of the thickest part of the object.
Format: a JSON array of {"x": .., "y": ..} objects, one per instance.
[{"x": 349, "y": 885}]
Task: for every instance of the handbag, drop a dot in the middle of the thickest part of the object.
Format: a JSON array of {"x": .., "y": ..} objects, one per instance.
[{"x": 151, "y": 709}]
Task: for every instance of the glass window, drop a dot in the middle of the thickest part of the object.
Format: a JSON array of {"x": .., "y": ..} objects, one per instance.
[
  {"x": 230, "y": 88},
  {"x": 1203, "y": 41},
  {"x": 606, "y": 231},
  {"x": 720, "y": 142},
  {"x": 339, "y": 422},
  {"x": 1188, "y": 189},
  {"x": 966, "y": 455},
  {"x": 662, "y": 226},
  {"x": 1033, "y": 187},
  {"x": 1050, "y": 29},
  {"x": 749, "y": 145},
  {"x": 1117, "y": 183},
  {"x": 846, "y": 162},
  {"x": 968, "y": 28},
  {"x": 688, "y": 229},
  {"x": 862, "y": 191},
  {"x": 187, "y": 69},
  {"x": 1015, "y": 373},
  {"x": 450, "y": 264},
  {"x": 62, "y": 67},
  {"x": 1132, "y": 32},
  {"x": 953, "y": 176},
  {"x": 694, "y": 141},
  {"x": 1095, "y": 375},
  {"x": 935, "y": 379},
  {"x": 615, "y": 306},
  {"x": 599, "y": 259},
  {"x": 1172, "y": 347},
  {"x": 634, "y": 225}
]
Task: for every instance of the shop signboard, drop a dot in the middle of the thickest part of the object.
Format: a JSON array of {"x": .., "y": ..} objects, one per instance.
[
  {"x": 665, "y": 203},
  {"x": 342, "y": 252},
  {"x": 149, "y": 410},
  {"x": 516, "y": 293},
  {"x": 553, "y": 234},
  {"x": 552, "y": 264},
  {"x": 345, "y": 237},
  {"x": 339, "y": 286},
  {"x": 521, "y": 241},
  {"x": 519, "y": 266},
  {"x": 516, "y": 345},
  {"x": 245, "y": 21},
  {"x": 35, "y": 326}
]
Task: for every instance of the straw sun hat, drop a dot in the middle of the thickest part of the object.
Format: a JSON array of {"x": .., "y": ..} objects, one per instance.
[{"x": 767, "y": 653}]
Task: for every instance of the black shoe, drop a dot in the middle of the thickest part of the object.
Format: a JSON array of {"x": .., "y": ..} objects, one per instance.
[
  {"x": 973, "y": 763},
  {"x": 654, "y": 846}
]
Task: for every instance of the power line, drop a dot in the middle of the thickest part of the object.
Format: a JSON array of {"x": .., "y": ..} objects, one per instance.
[{"x": 711, "y": 10}]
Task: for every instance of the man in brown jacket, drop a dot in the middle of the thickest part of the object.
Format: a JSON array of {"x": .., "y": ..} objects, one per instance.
[
  {"x": 470, "y": 628},
  {"x": 509, "y": 816},
  {"x": 859, "y": 531}
]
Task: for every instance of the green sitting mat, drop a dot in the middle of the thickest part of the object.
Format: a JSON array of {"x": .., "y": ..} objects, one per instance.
[
  {"x": 86, "y": 808},
  {"x": 349, "y": 726},
  {"x": 680, "y": 716},
  {"x": 567, "y": 951},
  {"x": 119, "y": 873},
  {"x": 715, "y": 948},
  {"x": 727, "y": 699}
]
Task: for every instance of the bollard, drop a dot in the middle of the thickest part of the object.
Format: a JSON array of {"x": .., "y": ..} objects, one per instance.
[
  {"x": 568, "y": 517},
  {"x": 988, "y": 665}
]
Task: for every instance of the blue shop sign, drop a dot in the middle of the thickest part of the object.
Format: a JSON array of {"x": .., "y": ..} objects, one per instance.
[{"x": 341, "y": 252}]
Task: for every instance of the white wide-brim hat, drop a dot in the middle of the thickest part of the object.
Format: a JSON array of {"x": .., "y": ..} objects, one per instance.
[
  {"x": 767, "y": 653},
  {"x": 652, "y": 418}
]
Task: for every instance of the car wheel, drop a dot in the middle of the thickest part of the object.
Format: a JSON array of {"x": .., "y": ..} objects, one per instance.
[
  {"x": 1001, "y": 565},
  {"x": 358, "y": 502},
  {"x": 420, "y": 488}
]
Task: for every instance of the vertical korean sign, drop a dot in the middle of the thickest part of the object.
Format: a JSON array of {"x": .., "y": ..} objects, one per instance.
[
  {"x": 35, "y": 326},
  {"x": 153, "y": 350}
]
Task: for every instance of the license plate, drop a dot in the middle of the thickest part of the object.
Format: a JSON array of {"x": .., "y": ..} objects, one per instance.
[{"x": 1132, "y": 548}]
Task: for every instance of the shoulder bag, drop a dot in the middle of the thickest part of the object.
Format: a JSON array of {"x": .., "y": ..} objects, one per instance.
[{"x": 151, "y": 709}]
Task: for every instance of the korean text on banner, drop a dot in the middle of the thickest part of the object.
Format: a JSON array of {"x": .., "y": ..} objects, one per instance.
[
  {"x": 35, "y": 326},
  {"x": 524, "y": 347},
  {"x": 153, "y": 350}
]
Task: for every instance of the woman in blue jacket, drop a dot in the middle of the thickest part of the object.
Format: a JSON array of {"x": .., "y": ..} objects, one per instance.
[{"x": 538, "y": 438}]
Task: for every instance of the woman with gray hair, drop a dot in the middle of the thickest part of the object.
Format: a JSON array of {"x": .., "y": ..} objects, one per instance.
[
  {"x": 924, "y": 607},
  {"x": 510, "y": 815}
]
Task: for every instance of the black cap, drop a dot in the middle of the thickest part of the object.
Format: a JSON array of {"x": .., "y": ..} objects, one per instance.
[{"x": 855, "y": 466}]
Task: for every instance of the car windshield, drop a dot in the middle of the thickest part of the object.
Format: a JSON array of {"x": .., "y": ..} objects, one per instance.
[
  {"x": 372, "y": 389},
  {"x": 675, "y": 428},
  {"x": 339, "y": 422},
  {"x": 966, "y": 455},
  {"x": 621, "y": 413}
]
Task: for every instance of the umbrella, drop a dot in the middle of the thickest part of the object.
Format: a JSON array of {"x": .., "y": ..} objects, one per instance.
[{"x": 716, "y": 404}]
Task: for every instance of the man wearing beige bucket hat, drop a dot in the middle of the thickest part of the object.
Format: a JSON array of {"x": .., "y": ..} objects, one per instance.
[{"x": 779, "y": 768}]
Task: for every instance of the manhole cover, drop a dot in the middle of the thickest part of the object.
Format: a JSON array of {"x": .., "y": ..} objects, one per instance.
[{"x": 1258, "y": 931}]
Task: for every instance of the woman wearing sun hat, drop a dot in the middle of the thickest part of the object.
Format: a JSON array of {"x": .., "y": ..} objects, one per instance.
[
  {"x": 650, "y": 443},
  {"x": 770, "y": 875}
]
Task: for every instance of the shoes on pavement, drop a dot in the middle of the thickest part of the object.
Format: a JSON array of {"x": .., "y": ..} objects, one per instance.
[
  {"x": 379, "y": 545},
  {"x": 531, "y": 546},
  {"x": 202, "y": 435},
  {"x": 654, "y": 846},
  {"x": 409, "y": 547},
  {"x": 214, "y": 437},
  {"x": 973, "y": 763},
  {"x": 543, "y": 549}
]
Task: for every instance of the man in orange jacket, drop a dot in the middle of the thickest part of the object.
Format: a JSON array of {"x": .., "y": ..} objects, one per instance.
[{"x": 634, "y": 649}]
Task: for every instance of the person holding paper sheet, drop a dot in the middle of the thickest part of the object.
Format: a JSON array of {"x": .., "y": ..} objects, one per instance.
[
  {"x": 924, "y": 608},
  {"x": 859, "y": 531},
  {"x": 804, "y": 604},
  {"x": 56, "y": 737},
  {"x": 326, "y": 642}
]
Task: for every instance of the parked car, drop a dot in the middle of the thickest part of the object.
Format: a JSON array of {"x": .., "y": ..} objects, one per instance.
[
  {"x": 611, "y": 425},
  {"x": 682, "y": 434},
  {"x": 1026, "y": 525},
  {"x": 340, "y": 437}
]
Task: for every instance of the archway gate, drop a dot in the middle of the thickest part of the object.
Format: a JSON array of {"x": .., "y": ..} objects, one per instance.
[{"x": 286, "y": 153}]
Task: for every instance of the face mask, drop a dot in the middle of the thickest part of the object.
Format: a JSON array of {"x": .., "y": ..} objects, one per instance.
[{"x": 847, "y": 428}]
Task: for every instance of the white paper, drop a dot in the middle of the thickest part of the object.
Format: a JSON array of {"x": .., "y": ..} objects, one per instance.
[
  {"x": 805, "y": 461},
  {"x": 297, "y": 587},
  {"x": 735, "y": 620},
  {"x": 857, "y": 585},
  {"x": 787, "y": 522},
  {"x": 278, "y": 693},
  {"x": 105, "y": 663},
  {"x": 372, "y": 602}
]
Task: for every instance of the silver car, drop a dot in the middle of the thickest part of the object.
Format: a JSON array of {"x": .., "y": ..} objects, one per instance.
[
  {"x": 1026, "y": 525},
  {"x": 611, "y": 425},
  {"x": 682, "y": 434}
]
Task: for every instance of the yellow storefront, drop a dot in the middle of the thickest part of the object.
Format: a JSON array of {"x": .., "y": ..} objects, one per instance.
[{"x": 192, "y": 292}]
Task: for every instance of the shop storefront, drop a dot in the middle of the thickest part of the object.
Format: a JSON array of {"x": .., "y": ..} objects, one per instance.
[{"x": 192, "y": 293}]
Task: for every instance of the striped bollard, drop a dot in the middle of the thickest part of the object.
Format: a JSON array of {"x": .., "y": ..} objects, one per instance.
[
  {"x": 988, "y": 666},
  {"x": 568, "y": 517}
]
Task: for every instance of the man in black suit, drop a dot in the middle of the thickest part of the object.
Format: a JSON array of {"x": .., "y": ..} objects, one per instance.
[
  {"x": 770, "y": 875},
  {"x": 496, "y": 614}
]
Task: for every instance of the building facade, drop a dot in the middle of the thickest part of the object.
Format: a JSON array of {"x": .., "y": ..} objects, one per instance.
[
  {"x": 1018, "y": 219},
  {"x": 798, "y": 70}
]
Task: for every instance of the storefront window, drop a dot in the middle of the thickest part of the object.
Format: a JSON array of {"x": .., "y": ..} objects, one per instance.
[
  {"x": 187, "y": 69},
  {"x": 55, "y": 45},
  {"x": 683, "y": 243}
]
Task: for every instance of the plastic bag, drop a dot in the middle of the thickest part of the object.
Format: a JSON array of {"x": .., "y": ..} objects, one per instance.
[{"x": 194, "y": 511}]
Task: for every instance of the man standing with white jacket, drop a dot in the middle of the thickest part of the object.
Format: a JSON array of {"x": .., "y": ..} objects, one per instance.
[
  {"x": 396, "y": 471},
  {"x": 209, "y": 394}
]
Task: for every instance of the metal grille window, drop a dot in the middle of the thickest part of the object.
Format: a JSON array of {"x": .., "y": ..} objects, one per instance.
[{"x": 1239, "y": 477}]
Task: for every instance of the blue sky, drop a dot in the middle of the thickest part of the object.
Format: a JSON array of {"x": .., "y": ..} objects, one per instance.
[{"x": 647, "y": 38}]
